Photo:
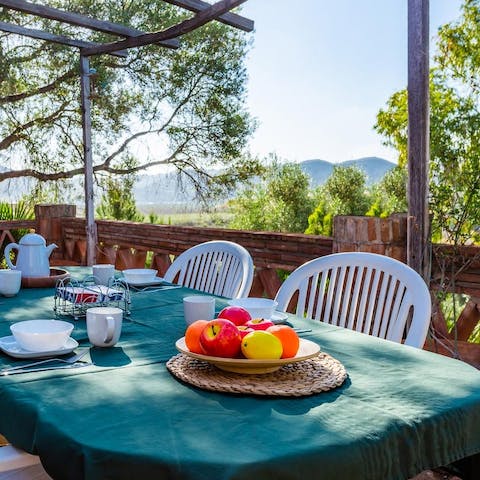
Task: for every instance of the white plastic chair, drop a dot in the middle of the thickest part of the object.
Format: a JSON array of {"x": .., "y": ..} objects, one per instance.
[
  {"x": 366, "y": 292},
  {"x": 218, "y": 267}
]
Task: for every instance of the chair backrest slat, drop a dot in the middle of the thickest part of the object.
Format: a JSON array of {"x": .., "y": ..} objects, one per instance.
[
  {"x": 217, "y": 267},
  {"x": 370, "y": 293}
]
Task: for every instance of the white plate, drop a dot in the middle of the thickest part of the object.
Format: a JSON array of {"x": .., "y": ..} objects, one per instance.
[
  {"x": 279, "y": 317},
  {"x": 307, "y": 349},
  {"x": 151, "y": 283},
  {"x": 10, "y": 346}
]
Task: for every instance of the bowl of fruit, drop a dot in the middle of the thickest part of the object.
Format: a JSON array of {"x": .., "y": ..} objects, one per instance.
[{"x": 247, "y": 346}]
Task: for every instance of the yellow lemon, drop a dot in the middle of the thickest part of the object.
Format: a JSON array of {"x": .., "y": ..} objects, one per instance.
[{"x": 261, "y": 345}]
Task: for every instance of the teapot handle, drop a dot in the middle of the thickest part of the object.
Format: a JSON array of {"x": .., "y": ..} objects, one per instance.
[{"x": 8, "y": 249}]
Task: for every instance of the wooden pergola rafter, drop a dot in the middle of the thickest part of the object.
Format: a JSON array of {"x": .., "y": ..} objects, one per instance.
[{"x": 132, "y": 38}]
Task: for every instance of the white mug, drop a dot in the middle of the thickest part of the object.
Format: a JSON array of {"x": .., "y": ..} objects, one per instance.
[
  {"x": 10, "y": 282},
  {"x": 104, "y": 325},
  {"x": 103, "y": 273},
  {"x": 198, "y": 307}
]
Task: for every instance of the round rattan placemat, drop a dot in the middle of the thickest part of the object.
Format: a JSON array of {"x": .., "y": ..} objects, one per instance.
[{"x": 314, "y": 375}]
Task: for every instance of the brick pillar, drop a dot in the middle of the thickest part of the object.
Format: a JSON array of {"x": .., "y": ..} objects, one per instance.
[
  {"x": 386, "y": 236},
  {"x": 50, "y": 220}
]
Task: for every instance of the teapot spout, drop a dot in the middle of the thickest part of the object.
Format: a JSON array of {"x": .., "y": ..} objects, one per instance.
[{"x": 50, "y": 248}]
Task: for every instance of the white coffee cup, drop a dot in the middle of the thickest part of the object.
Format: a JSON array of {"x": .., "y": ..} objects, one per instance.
[
  {"x": 198, "y": 307},
  {"x": 103, "y": 273},
  {"x": 10, "y": 282},
  {"x": 104, "y": 325}
]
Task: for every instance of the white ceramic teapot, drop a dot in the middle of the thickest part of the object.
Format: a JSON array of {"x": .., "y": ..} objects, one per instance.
[{"x": 32, "y": 257}]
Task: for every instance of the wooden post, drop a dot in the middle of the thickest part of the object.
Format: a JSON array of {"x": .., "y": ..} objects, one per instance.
[
  {"x": 91, "y": 227},
  {"x": 418, "y": 136}
]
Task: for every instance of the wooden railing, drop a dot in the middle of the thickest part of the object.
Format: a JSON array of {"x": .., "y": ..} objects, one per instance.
[
  {"x": 7, "y": 230},
  {"x": 130, "y": 245}
]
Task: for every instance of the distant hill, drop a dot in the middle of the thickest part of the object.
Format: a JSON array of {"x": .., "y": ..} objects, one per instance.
[
  {"x": 165, "y": 189},
  {"x": 375, "y": 169}
]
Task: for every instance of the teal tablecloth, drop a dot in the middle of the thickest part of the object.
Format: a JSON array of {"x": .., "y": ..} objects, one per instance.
[{"x": 401, "y": 410}]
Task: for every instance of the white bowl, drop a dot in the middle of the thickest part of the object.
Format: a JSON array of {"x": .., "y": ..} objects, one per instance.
[
  {"x": 41, "y": 335},
  {"x": 256, "y": 307},
  {"x": 139, "y": 275}
]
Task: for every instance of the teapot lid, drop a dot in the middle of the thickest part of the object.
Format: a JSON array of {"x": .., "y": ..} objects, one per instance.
[{"x": 32, "y": 239}]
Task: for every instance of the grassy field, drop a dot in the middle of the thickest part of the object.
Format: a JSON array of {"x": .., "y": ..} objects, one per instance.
[
  {"x": 174, "y": 215},
  {"x": 195, "y": 219}
]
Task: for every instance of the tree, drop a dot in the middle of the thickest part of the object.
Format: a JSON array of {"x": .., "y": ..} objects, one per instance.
[
  {"x": 280, "y": 201},
  {"x": 454, "y": 128},
  {"x": 118, "y": 202},
  {"x": 344, "y": 193},
  {"x": 184, "y": 108},
  {"x": 390, "y": 194}
]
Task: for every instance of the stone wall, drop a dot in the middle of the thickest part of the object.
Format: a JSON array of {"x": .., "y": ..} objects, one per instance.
[{"x": 386, "y": 236}]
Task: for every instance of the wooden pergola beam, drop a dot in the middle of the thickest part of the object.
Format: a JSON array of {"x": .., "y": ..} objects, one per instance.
[
  {"x": 418, "y": 256},
  {"x": 201, "y": 18},
  {"x": 228, "y": 18},
  {"x": 79, "y": 20},
  {"x": 134, "y": 38},
  {"x": 50, "y": 37}
]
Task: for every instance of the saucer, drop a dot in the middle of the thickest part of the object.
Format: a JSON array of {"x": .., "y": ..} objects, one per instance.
[
  {"x": 279, "y": 317},
  {"x": 10, "y": 346}
]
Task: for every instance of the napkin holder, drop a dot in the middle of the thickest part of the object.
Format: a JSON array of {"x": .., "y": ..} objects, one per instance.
[{"x": 73, "y": 298}]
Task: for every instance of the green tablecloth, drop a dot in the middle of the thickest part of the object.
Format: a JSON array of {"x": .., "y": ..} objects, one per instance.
[{"x": 400, "y": 411}]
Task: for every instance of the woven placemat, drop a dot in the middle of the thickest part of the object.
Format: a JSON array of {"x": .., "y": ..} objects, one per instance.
[{"x": 314, "y": 375}]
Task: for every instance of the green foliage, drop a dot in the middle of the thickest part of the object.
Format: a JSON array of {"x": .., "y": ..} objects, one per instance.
[
  {"x": 15, "y": 211},
  {"x": 320, "y": 222},
  {"x": 390, "y": 194},
  {"x": 454, "y": 129},
  {"x": 187, "y": 105},
  {"x": 280, "y": 201},
  {"x": 344, "y": 193},
  {"x": 118, "y": 202}
]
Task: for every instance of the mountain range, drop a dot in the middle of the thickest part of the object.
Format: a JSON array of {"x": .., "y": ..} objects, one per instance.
[
  {"x": 374, "y": 168},
  {"x": 163, "y": 188}
]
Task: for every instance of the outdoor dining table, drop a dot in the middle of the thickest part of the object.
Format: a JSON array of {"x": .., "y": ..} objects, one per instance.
[{"x": 401, "y": 410}]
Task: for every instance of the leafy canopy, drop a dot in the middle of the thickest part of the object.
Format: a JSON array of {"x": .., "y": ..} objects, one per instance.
[
  {"x": 344, "y": 193},
  {"x": 118, "y": 202},
  {"x": 279, "y": 201},
  {"x": 183, "y": 108},
  {"x": 454, "y": 128}
]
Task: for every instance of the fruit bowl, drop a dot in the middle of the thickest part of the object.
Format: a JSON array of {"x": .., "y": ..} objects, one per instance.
[{"x": 308, "y": 349}]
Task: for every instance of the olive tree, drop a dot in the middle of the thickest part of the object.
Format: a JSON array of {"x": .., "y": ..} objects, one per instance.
[{"x": 158, "y": 107}]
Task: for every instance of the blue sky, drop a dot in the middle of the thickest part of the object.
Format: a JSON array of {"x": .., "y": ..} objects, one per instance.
[{"x": 320, "y": 70}]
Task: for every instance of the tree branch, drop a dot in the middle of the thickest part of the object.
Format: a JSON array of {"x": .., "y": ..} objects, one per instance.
[
  {"x": 46, "y": 88},
  {"x": 19, "y": 131}
]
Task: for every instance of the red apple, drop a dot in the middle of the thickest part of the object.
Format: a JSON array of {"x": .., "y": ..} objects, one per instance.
[
  {"x": 221, "y": 338},
  {"x": 244, "y": 330},
  {"x": 237, "y": 315},
  {"x": 259, "y": 323}
]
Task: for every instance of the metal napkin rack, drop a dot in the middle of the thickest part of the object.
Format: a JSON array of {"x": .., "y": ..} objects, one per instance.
[{"x": 73, "y": 297}]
